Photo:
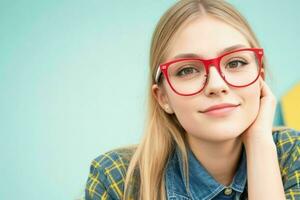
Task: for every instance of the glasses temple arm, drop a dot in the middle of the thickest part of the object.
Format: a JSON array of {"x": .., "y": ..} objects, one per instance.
[{"x": 158, "y": 72}]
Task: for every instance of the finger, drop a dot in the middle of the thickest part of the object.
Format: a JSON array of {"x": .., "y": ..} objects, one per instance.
[
  {"x": 268, "y": 102},
  {"x": 265, "y": 89}
]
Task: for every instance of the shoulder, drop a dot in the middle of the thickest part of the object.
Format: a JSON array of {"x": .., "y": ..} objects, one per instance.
[
  {"x": 118, "y": 158},
  {"x": 107, "y": 173},
  {"x": 287, "y": 141},
  {"x": 285, "y": 138}
]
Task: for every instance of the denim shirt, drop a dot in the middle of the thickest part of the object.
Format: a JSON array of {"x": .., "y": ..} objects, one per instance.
[
  {"x": 202, "y": 185},
  {"x": 108, "y": 171}
]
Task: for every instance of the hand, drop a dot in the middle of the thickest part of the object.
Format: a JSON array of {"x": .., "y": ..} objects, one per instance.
[{"x": 261, "y": 129}]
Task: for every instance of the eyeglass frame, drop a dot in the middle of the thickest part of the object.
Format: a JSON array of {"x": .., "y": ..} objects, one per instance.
[{"x": 163, "y": 68}]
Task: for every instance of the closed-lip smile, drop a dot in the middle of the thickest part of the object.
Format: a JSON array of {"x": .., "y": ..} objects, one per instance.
[{"x": 219, "y": 106}]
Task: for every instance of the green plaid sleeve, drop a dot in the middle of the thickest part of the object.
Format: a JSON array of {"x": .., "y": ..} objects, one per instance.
[
  {"x": 107, "y": 176},
  {"x": 95, "y": 187},
  {"x": 288, "y": 149}
]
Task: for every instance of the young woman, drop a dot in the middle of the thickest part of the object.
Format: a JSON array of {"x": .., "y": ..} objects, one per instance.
[{"x": 209, "y": 132}]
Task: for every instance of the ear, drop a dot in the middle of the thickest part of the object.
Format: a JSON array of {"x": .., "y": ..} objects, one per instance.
[
  {"x": 160, "y": 95},
  {"x": 262, "y": 74}
]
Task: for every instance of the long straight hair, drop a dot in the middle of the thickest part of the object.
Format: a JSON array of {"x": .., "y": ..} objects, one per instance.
[{"x": 162, "y": 130}]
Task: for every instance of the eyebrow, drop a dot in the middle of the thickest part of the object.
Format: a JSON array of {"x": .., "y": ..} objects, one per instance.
[{"x": 192, "y": 55}]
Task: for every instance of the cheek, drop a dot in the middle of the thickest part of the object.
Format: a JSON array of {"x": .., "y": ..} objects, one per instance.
[
  {"x": 182, "y": 105},
  {"x": 251, "y": 103},
  {"x": 184, "y": 108},
  {"x": 251, "y": 96}
]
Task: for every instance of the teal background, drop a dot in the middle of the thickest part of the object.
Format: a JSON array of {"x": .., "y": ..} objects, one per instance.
[{"x": 73, "y": 78}]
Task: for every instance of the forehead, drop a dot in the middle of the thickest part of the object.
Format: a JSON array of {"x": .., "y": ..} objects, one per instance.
[{"x": 205, "y": 36}]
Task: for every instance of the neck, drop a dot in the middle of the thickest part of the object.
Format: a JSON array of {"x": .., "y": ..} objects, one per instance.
[{"x": 219, "y": 159}]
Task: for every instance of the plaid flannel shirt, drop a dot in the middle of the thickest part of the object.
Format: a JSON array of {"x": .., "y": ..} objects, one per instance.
[{"x": 107, "y": 171}]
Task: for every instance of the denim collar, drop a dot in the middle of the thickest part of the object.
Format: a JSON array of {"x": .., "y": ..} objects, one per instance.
[{"x": 202, "y": 185}]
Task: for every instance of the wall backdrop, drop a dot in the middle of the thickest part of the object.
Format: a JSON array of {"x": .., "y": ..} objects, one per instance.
[{"x": 73, "y": 78}]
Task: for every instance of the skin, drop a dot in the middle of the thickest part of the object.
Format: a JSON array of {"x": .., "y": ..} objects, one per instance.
[{"x": 217, "y": 141}]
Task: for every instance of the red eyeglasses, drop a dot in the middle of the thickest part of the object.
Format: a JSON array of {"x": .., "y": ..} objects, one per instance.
[{"x": 188, "y": 76}]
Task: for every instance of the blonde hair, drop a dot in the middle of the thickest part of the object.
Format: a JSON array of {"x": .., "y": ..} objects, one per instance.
[{"x": 163, "y": 131}]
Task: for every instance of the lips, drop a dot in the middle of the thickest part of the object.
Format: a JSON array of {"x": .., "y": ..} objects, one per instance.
[{"x": 219, "y": 106}]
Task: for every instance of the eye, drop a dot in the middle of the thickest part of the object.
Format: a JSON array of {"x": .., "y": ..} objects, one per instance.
[
  {"x": 187, "y": 70},
  {"x": 236, "y": 64}
]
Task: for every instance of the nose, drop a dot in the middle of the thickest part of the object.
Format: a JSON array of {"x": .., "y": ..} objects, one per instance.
[{"x": 215, "y": 84}]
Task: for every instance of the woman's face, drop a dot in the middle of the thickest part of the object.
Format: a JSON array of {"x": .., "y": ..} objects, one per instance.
[{"x": 207, "y": 37}]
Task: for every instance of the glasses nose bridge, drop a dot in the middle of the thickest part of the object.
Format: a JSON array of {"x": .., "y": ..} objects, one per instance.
[{"x": 212, "y": 63}]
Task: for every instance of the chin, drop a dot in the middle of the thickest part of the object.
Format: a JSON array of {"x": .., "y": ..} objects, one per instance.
[
  {"x": 222, "y": 130},
  {"x": 221, "y": 134}
]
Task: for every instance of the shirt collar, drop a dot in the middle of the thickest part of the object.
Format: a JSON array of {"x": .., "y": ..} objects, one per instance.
[{"x": 202, "y": 184}]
